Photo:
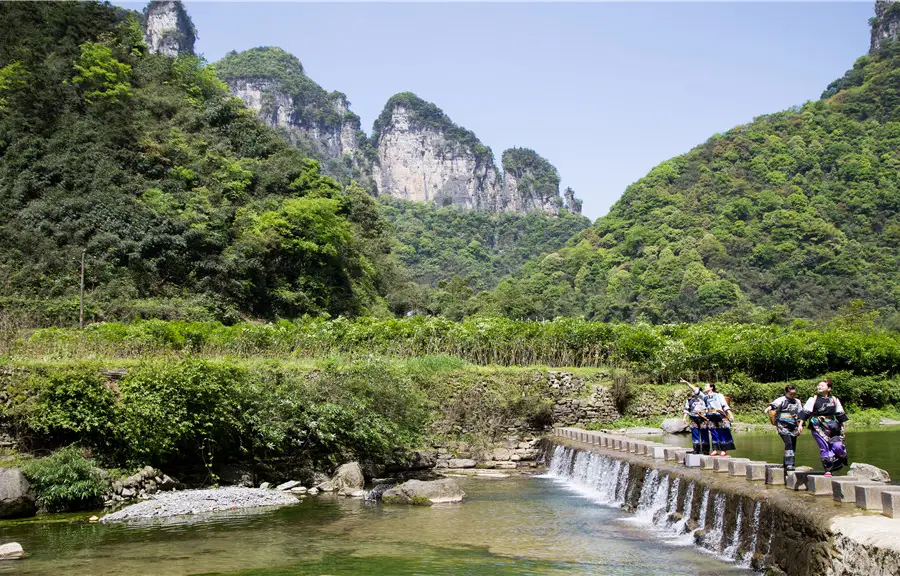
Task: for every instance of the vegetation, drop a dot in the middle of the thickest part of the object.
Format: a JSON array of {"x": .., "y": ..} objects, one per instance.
[
  {"x": 66, "y": 481},
  {"x": 173, "y": 191},
  {"x": 797, "y": 209},
  {"x": 439, "y": 245},
  {"x": 713, "y": 350}
]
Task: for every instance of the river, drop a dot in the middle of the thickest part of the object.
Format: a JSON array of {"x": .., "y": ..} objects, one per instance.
[
  {"x": 878, "y": 447},
  {"x": 516, "y": 525}
]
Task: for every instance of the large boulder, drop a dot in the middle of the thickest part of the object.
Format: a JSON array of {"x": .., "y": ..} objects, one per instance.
[
  {"x": 348, "y": 477},
  {"x": 11, "y": 551},
  {"x": 16, "y": 498},
  {"x": 424, "y": 493},
  {"x": 674, "y": 426},
  {"x": 869, "y": 472}
]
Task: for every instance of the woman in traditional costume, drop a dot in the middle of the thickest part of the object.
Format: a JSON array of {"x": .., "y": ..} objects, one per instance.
[
  {"x": 695, "y": 416},
  {"x": 826, "y": 422},
  {"x": 719, "y": 415},
  {"x": 784, "y": 412}
]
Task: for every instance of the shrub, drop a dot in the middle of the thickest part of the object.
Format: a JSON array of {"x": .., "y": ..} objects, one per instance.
[{"x": 66, "y": 481}]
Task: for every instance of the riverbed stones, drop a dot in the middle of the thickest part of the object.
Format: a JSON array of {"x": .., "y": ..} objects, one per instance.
[
  {"x": 188, "y": 502},
  {"x": 418, "y": 492},
  {"x": 461, "y": 463},
  {"x": 11, "y": 551},
  {"x": 16, "y": 497},
  {"x": 869, "y": 472},
  {"x": 890, "y": 504},
  {"x": 869, "y": 497},
  {"x": 286, "y": 486}
]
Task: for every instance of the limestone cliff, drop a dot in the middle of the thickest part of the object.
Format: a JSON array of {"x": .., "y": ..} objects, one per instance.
[
  {"x": 168, "y": 29},
  {"x": 272, "y": 83},
  {"x": 886, "y": 23},
  {"x": 423, "y": 156}
]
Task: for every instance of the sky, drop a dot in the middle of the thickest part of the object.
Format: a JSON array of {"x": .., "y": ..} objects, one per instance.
[{"x": 604, "y": 91}]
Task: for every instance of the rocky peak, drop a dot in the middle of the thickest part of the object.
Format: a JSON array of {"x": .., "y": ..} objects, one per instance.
[
  {"x": 885, "y": 24},
  {"x": 531, "y": 182},
  {"x": 168, "y": 29},
  {"x": 272, "y": 83},
  {"x": 423, "y": 156}
]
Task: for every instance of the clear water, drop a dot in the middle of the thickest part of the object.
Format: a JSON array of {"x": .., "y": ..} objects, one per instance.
[
  {"x": 531, "y": 526},
  {"x": 879, "y": 447}
]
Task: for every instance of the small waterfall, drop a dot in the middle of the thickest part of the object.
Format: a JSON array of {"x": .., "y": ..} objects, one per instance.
[
  {"x": 755, "y": 536},
  {"x": 704, "y": 508},
  {"x": 622, "y": 484},
  {"x": 672, "y": 505},
  {"x": 680, "y": 526},
  {"x": 648, "y": 492},
  {"x": 732, "y": 548},
  {"x": 715, "y": 538}
]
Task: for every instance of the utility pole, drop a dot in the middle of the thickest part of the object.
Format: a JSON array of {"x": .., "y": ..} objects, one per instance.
[{"x": 81, "y": 295}]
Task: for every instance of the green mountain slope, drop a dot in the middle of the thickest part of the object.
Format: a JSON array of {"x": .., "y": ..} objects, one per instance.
[
  {"x": 799, "y": 209},
  {"x": 181, "y": 200}
]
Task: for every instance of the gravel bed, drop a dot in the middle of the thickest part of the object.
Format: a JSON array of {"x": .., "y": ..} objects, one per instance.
[{"x": 168, "y": 504}]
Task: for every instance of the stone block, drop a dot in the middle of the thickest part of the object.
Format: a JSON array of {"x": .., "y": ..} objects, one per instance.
[
  {"x": 775, "y": 475},
  {"x": 707, "y": 462},
  {"x": 692, "y": 460},
  {"x": 797, "y": 479},
  {"x": 658, "y": 452},
  {"x": 738, "y": 466},
  {"x": 843, "y": 489},
  {"x": 721, "y": 465},
  {"x": 890, "y": 504},
  {"x": 680, "y": 455},
  {"x": 819, "y": 485},
  {"x": 672, "y": 453},
  {"x": 869, "y": 497},
  {"x": 756, "y": 471}
]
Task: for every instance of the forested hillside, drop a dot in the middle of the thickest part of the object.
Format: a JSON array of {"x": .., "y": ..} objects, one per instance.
[
  {"x": 798, "y": 210},
  {"x": 182, "y": 202}
]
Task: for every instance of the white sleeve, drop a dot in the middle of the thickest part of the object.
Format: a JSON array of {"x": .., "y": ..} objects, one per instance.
[
  {"x": 838, "y": 408},
  {"x": 724, "y": 402},
  {"x": 810, "y": 404},
  {"x": 777, "y": 403}
]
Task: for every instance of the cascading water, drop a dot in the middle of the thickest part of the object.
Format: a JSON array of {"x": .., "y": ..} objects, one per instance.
[{"x": 606, "y": 480}]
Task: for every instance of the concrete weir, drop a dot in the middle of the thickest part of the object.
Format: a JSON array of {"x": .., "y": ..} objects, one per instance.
[{"x": 767, "y": 525}]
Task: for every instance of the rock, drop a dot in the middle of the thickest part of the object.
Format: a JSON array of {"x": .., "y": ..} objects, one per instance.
[
  {"x": 166, "y": 483},
  {"x": 168, "y": 29},
  {"x": 16, "y": 498},
  {"x": 888, "y": 422},
  {"x": 312, "y": 491},
  {"x": 419, "y": 492},
  {"x": 377, "y": 492},
  {"x": 265, "y": 486},
  {"x": 128, "y": 493},
  {"x": 285, "y": 486},
  {"x": 461, "y": 463},
  {"x": 674, "y": 426},
  {"x": 94, "y": 519},
  {"x": 327, "y": 486},
  {"x": 147, "y": 472},
  {"x": 501, "y": 454},
  {"x": 868, "y": 472},
  {"x": 352, "y": 493},
  {"x": 117, "y": 487},
  {"x": 170, "y": 504},
  {"x": 348, "y": 476},
  {"x": 298, "y": 490},
  {"x": 11, "y": 551}
]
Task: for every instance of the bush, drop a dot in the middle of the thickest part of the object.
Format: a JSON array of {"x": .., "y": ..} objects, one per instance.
[{"x": 66, "y": 481}]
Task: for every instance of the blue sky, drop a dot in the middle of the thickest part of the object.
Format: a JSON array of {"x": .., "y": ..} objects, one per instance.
[{"x": 605, "y": 91}]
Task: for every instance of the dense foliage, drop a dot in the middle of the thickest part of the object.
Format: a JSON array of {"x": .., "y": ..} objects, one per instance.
[
  {"x": 170, "y": 187},
  {"x": 712, "y": 349},
  {"x": 66, "y": 481},
  {"x": 439, "y": 244},
  {"x": 799, "y": 209}
]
